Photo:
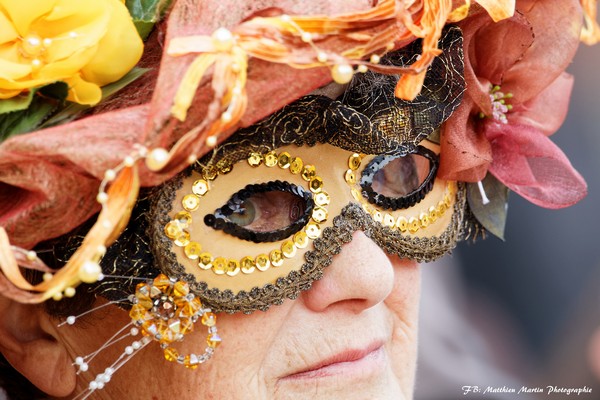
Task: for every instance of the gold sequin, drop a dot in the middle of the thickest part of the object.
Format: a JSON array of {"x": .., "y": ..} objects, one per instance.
[
  {"x": 322, "y": 198},
  {"x": 308, "y": 172},
  {"x": 182, "y": 239},
  {"x": 350, "y": 177},
  {"x": 354, "y": 161},
  {"x": 210, "y": 173},
  {"x": 192, "y": 250},
  {"x": 424, "y": 220},
  {"x": 388, "y": 221},
  {"x": 276, "y": 258},
  {"x": 233, "y": 267},
  {"x": 247, "y": 265},
  {"x": 224, "y": 167},
  {"x": 262, "y": 262},
  {"x": 402, "y": 224},
  {"x": 219, "y": 265},
  {"x": 288, "y": 249},
  {"x": 271, "y": 159},
  {"x": 284, "y": 160},
  {"x": 200, "y": 187},
  {"x": 255, "y": 159},
  {"x": 378, "y": 216},
  {"x": 319, "y": 214},
  {"x": 184, "y": 218},
  {"x": 313, "y": 230},
  {"x": 316, "y": 184},
  {"x": 301, "y": 240},
  {"x": 356, "y": 194},
  {"x": 296, "y": 165},
  {"x": 205, "y": 261},
  {"x": 190, "y": 202},
  {"x": 172, "y": 229},
  {"x": 413, "y": 225}
]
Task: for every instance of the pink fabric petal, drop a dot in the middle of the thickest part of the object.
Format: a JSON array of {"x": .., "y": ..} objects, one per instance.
[
  {"x": 556, "y": 26},
  {"x": 465, "y": 154},
  {"x": 530, "y": 164},
  {"x": 547, "y": 111}
]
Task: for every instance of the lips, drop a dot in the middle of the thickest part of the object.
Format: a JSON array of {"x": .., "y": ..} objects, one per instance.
[{"x": 348, "y": 362}]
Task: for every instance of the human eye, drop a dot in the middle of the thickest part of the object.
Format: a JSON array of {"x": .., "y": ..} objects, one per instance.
[
  {"x": 266, "y": 212},
  {"x": 394, "y": 183}
]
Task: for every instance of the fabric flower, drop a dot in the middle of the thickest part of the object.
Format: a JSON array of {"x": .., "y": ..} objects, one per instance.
[
  {"x": 85, "y": 43},
  {"x": 524, "y": 56}
]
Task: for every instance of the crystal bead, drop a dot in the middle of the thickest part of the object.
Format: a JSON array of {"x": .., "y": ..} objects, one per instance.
[
  {"x": 162, "y": 283},
  {"x": 262, "y": 262},
  {"x": 209, "y": 319},
  {"x": 200, "y": 187},
  {"x": 171, "y": 354},
  {"x": 192, "y": 250},
  {"x": 181, "y": 288},
  {"x": 296, "y": 165},
  {"x": 308, "y": 172},
  {"x": 247, "y": 265},
  {"x": 288, "y": 249},
  {"x": 284, "y": 160},
  {"x": 138, "y": 313},
  {"x": 190, "y": 202},
  {"x": 255, "y": 159},
  {"x": 186, "y": 325},
  {"x": 354, "y": 161},
  {"x": 219, "y": 265},
  {"x": 190, "y": 363},
  {"x": 271, "y": 159},
  {"x": 213, "y": 340}
]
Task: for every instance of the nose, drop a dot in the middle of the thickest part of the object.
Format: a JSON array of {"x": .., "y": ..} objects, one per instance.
[{"x": 360, "y": 277}]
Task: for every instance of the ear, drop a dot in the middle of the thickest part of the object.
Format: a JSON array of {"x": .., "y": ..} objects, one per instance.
[{"x": 29, "y": 342}]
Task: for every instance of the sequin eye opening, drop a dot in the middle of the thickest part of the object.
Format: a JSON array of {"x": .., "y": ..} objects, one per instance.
[
  {"x": 266, "y": 212},
  {"x": 393, "y": 183}
]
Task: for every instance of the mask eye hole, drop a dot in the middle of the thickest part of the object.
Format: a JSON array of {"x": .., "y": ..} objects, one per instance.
[
  {"x": 394, "y": 183},
  {"x": 266, "y": 212}
]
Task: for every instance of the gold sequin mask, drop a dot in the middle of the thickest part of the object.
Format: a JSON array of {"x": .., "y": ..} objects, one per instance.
[{"x": 258, "y": 219}]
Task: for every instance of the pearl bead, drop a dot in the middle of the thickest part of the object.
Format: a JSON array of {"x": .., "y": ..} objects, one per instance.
[
  {"x": 362, "y": 68},
  {"x": 89, "y": 272},
  {"x": 101, "y": 250},
  {"x": 192, "y": 158},
  {"x": 102, "y": 197},
  {"x": 70, "y": 292},
  {"x": 93, "y": 385},
  {"x": 129, "y": 350},
  {"x": 342, "y": 73},
  {"x": 211, "y": 141},
  {"x": 57, "y": 296},
  {"x": 83, "y": 367},
  {"x": 129, "y": 161},
  {"x": 306, "y": 37},
  {"x": 223, "y": 39},
  {"x": 78, "y": 360},
  {"x": 157, "y": 159},
  {"x": 31, "y": 255},
  {"x": 47, "y": 276},
  {"x": 226, "y": 116},
  {"x": 110, "y": 174},
  {"x": 71, "y": 321},
  {"x": 375, "y": 59},
  {"x": 322, "y": 57}
]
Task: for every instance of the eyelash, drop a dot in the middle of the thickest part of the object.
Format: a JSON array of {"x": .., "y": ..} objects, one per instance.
[{"x": 219, "y": 219}]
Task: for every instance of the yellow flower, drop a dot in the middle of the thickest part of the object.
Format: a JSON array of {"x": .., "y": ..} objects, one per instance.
[{"x": 85, "y": 43}]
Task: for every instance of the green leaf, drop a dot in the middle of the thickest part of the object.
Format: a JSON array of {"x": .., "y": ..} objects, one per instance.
[
  {"x": 145, "y": 13},
  {"x": 493, "y": 214},
  {"x": 17, "y": 103}
]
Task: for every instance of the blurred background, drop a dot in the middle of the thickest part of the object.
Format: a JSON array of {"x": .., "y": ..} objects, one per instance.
[{"x": 524, "y": 311}]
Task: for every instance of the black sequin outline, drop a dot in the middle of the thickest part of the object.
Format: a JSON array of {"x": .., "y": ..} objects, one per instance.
[
  {"x": 398, "y": 203},
  {"x": 219, "y": 219}
]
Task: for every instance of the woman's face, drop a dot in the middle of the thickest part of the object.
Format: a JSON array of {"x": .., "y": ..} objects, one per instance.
[{"x": 353, "y": 335}]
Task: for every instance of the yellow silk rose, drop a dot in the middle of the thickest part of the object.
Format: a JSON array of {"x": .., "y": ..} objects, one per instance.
[{"x": 85, "y": 43}]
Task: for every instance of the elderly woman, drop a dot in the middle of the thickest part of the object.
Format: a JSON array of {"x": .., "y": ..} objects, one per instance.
[{"x": 279, "y": 213}]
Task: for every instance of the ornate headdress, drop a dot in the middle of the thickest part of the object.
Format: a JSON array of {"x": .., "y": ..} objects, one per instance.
[{"x": 438, "y": 115}]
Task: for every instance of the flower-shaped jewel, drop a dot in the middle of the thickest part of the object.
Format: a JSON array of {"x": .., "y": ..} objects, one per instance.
[
  {"x": 166, "y": 311},
  {"x": 85, "y": 43}
]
